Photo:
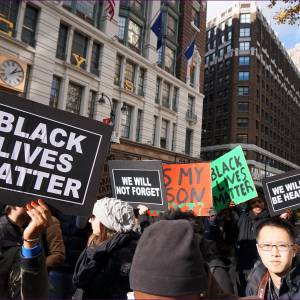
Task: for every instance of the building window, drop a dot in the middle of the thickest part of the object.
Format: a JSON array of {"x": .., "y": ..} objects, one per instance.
[
  {"x": 141, "y": 82},
  {"x": 169, "y": 60},
  {"x": 29, "y": 25},
  {"x": 157, "y": 90},
  {"x": 244, "y": 60},
  {"x": 229, "y": 36},
  {"x": 9, "y": 12},
  {"x": 91, "y": 104},
  {"x": 54, "y": 93},
  {"x": 166, "y": 94},
  {"x": 155, "y": 120},
  {"x": 175, "y": 99},
  {"x": 242, "y": 122},
  {"x": 188, "y": 140},
  {"x": 171, "y": 27},
  {"x": 117, "y": 77},
  {"x": 134, "y": 35},
  {"x": 121, "y": 25},
  {"x": 61, "y": 49},
  {"x": 244, "y": 46},
  {"x": 244, "y": 32},
  {"x": 229, "y": 22},
  {"x": 164, "y": 133},
  {"x": 74, "y": 98},
  {"x": 221, "y": 52},
  {"x": 79, "y": 49},
  {"x": 126, "y": 121},
  {"x": 129, "y": 76},
  {"x": 244, "y": 18},
  {"x": 139, "y": 125},
  {"x": 159, "y": 56},
  {"x": 196, "y": 17},
  {"x": 243, "y": 91},
  {"x": 95, "y": 59},
  {"x": 242, "y": 138},
  {"x": 174, "y": 137},
  {"x": 243, "y": 107},
  {"x": 191, "y": 105},
  {"x": 243, "y": 75}
]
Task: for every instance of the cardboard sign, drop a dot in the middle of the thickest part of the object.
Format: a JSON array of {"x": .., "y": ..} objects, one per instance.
[
  {"x": 50, "y": 154},
  {"x": 138, "y": 182},
  {"x": 231, "y": 179},
  {"x": 189, "y": 187},
  {"x": 282, "y": 192}
]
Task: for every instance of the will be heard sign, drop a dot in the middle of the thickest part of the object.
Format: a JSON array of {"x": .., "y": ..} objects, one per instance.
[
  {"x": 138, "y": 182},
  {"x": 282, "y": 192},
  {"x": 50, "y": 154}
]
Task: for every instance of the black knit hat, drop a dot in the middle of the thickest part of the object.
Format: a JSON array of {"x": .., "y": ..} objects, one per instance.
[{"x": 168, "y": 262}]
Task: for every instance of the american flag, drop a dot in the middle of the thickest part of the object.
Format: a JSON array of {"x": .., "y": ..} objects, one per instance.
[{"x": 110, "y": 8}]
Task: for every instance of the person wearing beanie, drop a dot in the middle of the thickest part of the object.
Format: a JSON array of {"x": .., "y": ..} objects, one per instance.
[
  {"x": 102, "y": 270},
  {"x": 168, "y": 264}
]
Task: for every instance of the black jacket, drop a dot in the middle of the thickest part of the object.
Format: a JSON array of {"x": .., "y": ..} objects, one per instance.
[
  {"x": 103, "y": 271},
  {"x": 246, "y": 244},
  {"x": 290, "y": 284}
]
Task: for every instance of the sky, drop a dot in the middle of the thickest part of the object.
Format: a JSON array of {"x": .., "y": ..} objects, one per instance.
[{"x": 289, "y": 35}]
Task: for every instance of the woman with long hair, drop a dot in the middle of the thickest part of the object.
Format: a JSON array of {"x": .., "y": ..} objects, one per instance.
[{"x": 102, "y": 270}]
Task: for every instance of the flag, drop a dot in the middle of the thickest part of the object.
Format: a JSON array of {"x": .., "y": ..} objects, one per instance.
[
  {"x": 157, "y": 29},
  {"x": 190, "y": 50},
  {"x": 110, "y": 8}
]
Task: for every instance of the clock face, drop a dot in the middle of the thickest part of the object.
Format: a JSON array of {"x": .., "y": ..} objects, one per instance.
[{"x": 11, "y": 72}]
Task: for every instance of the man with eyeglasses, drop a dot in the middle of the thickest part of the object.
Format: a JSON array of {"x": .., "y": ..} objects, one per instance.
[{"x": 277, "y": 275}]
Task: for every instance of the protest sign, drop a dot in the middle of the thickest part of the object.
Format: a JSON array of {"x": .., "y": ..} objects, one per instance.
[
  {"x": 188, "y": 187},
  {"x": 138, "y": 182},
  {"x": 231, "y": 179},
  {"x": 50, "y": 154},
  {"x": 282, "y": 192}
]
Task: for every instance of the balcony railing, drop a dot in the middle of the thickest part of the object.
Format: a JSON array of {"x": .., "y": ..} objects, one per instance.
[{"x": 191, "y": 117}]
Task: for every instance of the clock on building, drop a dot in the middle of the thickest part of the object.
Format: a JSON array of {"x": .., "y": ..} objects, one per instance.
[{"x": 12, "y": 73}]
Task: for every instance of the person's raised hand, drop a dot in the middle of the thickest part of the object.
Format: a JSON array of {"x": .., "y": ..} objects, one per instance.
[{"x": 40, "y": 219}]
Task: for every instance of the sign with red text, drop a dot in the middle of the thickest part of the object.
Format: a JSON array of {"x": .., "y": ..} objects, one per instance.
[
  {"x": 188, "y": 187},
  {"x": 50, "y": 154}
]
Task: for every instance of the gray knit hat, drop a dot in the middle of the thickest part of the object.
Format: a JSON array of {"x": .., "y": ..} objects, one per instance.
[
  {"x": 114, "y": 214},
  {"x": 168, "y": 262}
]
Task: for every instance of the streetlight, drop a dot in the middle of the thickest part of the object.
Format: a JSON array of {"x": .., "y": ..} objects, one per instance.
[{"x": 112, "y": 112}]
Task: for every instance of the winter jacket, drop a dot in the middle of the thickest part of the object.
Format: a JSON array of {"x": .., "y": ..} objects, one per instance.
[
  {"x": 19, "y": 277},
  {"x": 246, "y": 244},
  {"x": 103, "y": 271},
  {"x": 290, "y": 283}
]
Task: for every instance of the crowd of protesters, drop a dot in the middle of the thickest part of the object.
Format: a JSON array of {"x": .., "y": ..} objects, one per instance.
[{"x": 123, "y": 253}]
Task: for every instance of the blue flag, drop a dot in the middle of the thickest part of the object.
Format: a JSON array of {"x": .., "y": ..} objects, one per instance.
[
  {"x": 157, "y": 29},
  {"x": 190, "y": 50}
]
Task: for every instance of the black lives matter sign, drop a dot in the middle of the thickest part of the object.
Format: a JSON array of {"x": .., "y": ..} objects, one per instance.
[
  {"x": 138, "y": 182},
  {"x": 50, "y": 154},
  {"x": 282, "y": 192}
]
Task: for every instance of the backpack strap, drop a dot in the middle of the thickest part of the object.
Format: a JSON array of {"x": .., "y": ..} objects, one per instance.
[{"x": 263, "y": 285}]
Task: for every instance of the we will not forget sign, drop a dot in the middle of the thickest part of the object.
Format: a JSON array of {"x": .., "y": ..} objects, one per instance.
[
  {"x": 138, "y": 182},
  {"x": 51, "y": 154},
  {"x": 282, "y": 192}
]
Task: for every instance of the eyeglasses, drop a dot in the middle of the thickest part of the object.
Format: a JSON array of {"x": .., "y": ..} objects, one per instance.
[{"x": 279, "y": 247}]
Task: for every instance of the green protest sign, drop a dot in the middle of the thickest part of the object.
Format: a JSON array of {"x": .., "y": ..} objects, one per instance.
[{"x": 231, "y": 179}]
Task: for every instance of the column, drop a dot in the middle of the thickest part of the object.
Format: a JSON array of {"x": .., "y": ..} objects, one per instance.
[
  {"x": 157, "y": 133},
  {"x": 117, "y": 123},
  {"x": 169, "y": 136},
  {"x": 89, "y": 54},
  {"x": 64, "y": 93},
  {"x": 84, "y": 101},
  {"x": 69, "y": 44},
  {"x": 122, "y": 75},
  {"x": 133, "y": 124},
  {"x": 20, "y": 20}
]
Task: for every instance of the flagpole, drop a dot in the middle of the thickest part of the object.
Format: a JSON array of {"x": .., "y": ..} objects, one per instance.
[
  {"x": 180, "y": 53},
  {"x": 156, "y": 14}
]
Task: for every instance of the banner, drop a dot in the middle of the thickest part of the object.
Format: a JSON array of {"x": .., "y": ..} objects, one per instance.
[
  {"x": 138, "y": 182},
  {"x": 189, "y": 187},
  {"x": 231, "y": 179},
  {"x": 50, "y": 154},
  {"x": 282, "y": 192}
]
